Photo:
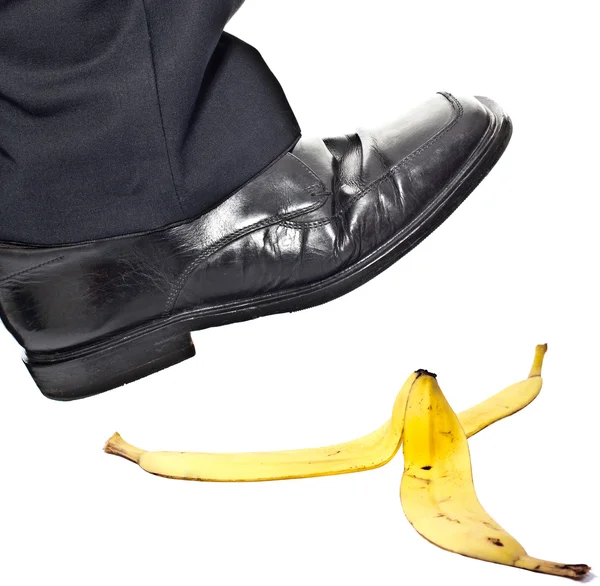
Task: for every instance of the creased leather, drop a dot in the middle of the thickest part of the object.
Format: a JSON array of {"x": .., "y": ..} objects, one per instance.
[
  {"x": 56, "y": 298},
  {"x": 380, "y": 185},
  {"x": 317, "y": 212}
]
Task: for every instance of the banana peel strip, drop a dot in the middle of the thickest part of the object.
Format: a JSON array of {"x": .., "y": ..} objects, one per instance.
[
  {"x": 365, "y": 453},
  {"x": 437, "y": 491}
]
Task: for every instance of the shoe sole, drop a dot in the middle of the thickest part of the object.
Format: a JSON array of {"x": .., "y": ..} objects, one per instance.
[{"x": 147, "y": 349}]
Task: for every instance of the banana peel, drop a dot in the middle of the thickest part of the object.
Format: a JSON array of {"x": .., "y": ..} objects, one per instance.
[
  {"x": 437, "y": 489},
  {"x": 365, "y": 453}
]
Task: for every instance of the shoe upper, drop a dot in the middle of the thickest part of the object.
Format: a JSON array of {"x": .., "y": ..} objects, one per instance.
[
  {"x": 376, "y": 183},
  {"x": 318, "y": 213}
]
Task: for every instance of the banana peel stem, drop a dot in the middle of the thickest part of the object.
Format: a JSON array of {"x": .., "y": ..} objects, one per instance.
[
  {"x": 538, "y": 361},
  {"x": 574, "y": 571},
  {"x": 117, "y": 446}
]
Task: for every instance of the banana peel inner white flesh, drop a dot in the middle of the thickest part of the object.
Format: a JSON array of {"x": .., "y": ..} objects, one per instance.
[{"x": 437, "y": 490}]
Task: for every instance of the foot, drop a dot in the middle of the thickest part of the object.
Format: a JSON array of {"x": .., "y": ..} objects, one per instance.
[{"x": 318, "y": 223}]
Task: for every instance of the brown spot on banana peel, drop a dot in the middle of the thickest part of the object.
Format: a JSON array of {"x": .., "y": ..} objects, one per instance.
[
  {"x": 425, "y": 480},
  {"x": 496, "y": 541},
  {"x": 441, "y": 515},
  {"x": 426, "y": 468}
]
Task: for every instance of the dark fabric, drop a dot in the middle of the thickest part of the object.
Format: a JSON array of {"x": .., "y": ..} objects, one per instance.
[{"x": 119, "y": 116}]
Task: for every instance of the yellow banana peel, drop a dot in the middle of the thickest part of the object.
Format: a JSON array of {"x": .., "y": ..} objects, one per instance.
[
  {"x": 437, "y": 492},
  {"x": 365, "y": 453}
]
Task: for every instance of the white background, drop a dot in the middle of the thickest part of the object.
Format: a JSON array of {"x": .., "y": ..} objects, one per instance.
[{"x": 516, "y": 265}]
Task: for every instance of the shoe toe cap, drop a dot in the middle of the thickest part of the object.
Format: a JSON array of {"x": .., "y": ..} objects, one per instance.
[
  {"x": 421, "y": 159},
  {"x": 438, "y": 136},
  {"x": 421, "y": 168}
]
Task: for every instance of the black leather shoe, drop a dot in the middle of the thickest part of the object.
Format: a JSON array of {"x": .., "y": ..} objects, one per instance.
[{"x": 318, "y": 223}]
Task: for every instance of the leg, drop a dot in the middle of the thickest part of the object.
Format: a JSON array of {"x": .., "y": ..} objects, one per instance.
[{"x": 120, "y": 116}]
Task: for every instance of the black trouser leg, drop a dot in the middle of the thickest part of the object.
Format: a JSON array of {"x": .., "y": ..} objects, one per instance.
[{"x": 118, "y": 116}]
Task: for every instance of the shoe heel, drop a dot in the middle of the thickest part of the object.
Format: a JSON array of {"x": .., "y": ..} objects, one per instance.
[{"x": 82, "y": 374}]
